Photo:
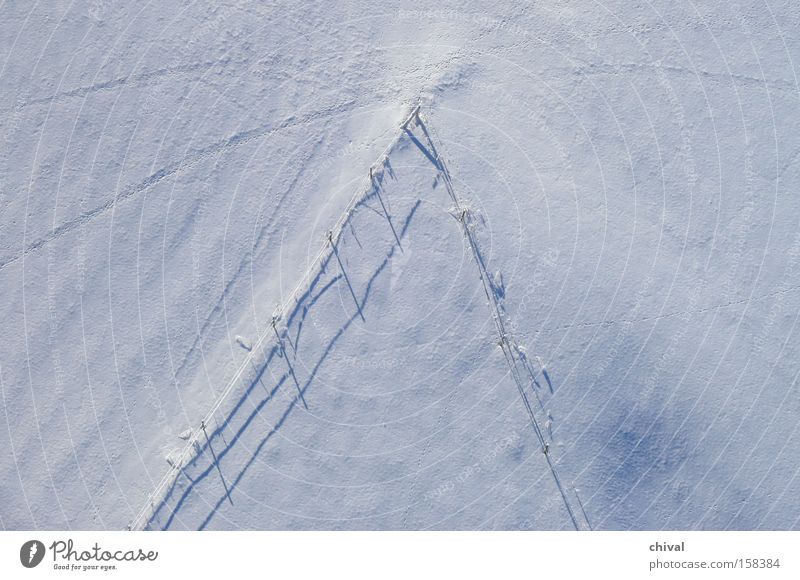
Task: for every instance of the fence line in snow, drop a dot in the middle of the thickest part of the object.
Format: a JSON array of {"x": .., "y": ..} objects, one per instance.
[
  {"x": 506, "y": 340},
  {"x": 193, "y": 444}
]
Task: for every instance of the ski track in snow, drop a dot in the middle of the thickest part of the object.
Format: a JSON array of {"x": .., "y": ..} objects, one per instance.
[
  {"x": 137, "y": 79},
  {"x": 195, "y": 157},
  {"x": 694, "y": 427},
  {"x": 611, "y": 68}
]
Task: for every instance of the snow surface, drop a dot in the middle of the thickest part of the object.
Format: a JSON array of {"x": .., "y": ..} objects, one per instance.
[{"x": 170, "y": 173}]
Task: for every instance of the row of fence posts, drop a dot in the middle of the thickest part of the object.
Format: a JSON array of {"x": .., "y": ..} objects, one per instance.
[
  {"x": 506, "y": 341},
  {"x": 193, "y": 446}
]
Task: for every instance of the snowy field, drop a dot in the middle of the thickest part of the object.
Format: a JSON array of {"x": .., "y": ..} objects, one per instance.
[{"x": 413, "y": 265}]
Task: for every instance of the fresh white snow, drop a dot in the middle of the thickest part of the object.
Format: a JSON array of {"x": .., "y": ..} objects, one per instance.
[{"x": 168, "y": 180}]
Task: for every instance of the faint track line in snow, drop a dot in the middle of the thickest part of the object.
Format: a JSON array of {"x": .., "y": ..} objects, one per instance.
[
  {"x": 131, "y": 79},
  {"x": 197, "y": 155},
  {"x": 740, "y": 79},
  {"x": 147, "y": 77},
  {"x": 156, "y": 497}
]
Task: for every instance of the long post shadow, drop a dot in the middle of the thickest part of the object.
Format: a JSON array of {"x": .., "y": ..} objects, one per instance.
[
  {"x": 422, "y": 148},
  {"x": 427, "y": 136},
  {"x": 528, "y": 369},
  {"x": 216, "y": 463},
  {"x": 547, "y": 378},
  {"x": 434, "y": 158},
  {"x": 297, "y": 310},
  {"x": 326, "y": 352},
  {"x": 583, "y": 509},
  {"x": 300, "y": 308},
  {"x": 288, "y": 362},
  {"x": 193, "y": 482},
  {"x": 346, "y": 277},
  {"x": 377, "y": 187}
]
